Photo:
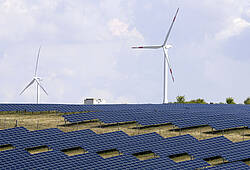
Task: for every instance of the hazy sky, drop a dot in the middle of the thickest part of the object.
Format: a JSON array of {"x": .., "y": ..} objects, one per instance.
[{"x": 86, "y": 49}]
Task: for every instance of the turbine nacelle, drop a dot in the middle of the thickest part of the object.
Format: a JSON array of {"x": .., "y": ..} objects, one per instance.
[
  {"x": 167, "y": 46},
  {"x": 38, "y": 78}
]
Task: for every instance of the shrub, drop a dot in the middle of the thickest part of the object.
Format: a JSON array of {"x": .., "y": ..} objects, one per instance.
[
  {"x": 200, "y": 101},
  {"x": 230, "y": 100},
  {"x": 180, "y": 99},
  {"x": 247, "y": 101}
]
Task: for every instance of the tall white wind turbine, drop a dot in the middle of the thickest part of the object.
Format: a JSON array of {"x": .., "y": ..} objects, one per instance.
[
  {"x": 165, "y": 48},
  {"x": 37, "y": 80}
]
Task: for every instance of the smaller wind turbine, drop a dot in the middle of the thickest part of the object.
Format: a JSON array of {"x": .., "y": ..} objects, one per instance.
[
  {"x": 165, "y": 48},
  {"x": 37, "y": 80}
]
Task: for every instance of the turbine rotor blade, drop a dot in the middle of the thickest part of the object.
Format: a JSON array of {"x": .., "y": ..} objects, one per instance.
[
  {"x": 170, "y": 27},
  {"x": 38, "y": 55},
  {"x": 149, "y": 47},
  {"x": 32, "y": 81},
  {"x": 169, "y": 66},
  {"x": 39, "y": 84}
]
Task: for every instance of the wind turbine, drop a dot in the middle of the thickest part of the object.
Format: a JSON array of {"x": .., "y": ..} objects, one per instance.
[
  {"x": 165, "y": 48},
  {"x": 37, "y": 80}
]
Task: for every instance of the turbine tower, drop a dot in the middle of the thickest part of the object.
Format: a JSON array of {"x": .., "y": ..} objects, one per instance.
[
  {"x": 167, "y": 65},
  {"x": 37, "y": 80}
]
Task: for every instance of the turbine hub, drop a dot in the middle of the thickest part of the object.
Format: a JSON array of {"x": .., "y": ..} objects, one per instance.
[
  {"x": 38, "y": 78},
  {"x": 167, "y": 46}
]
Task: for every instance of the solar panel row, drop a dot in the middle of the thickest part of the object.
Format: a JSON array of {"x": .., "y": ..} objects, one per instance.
[
  {"x": 222, "y": 117},
  {"x": 128, "y": 146},
  {"x": 29, "y": 107},
  {"x": 218, "y": 116},
  {"x": 63, "y": 108},
  {"x": 234, "y": 165}
]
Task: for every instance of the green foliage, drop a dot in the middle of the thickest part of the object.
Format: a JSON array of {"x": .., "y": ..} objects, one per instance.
[
  {"x": 247, "y": 101},
  {"x": 199, "y": 101},
  {"x": 230, "y": 100},
  {"x": 180, "y": 99}
]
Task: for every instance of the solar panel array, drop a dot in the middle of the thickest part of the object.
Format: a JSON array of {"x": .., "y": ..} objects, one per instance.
[
  {"x": 21, "y": 139},
  {"x": 218, "y": 116},
  {"x": 233, "y": 165},
  {"x": 29, "y": 107}
]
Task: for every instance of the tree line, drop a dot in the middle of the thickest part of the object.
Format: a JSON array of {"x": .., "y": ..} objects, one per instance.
[{"x": 229, "y": 100}]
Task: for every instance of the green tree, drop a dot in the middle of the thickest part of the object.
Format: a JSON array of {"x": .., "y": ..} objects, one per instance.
[
  {"x": 180, "y": 99},
  {"x": 247, "y": 101},
  {"x": 230, "y": 100}
]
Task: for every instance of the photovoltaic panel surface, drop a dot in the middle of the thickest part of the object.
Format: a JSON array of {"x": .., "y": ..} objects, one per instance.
[{"x": 56, "y": 140}]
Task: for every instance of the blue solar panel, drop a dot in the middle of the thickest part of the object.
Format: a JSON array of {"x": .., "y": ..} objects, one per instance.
[
  {"x": 19, "y": 158},
  {"x": 181, "y": 115},
  {"x": 232, "y": 166},
  {"x": 219, "y": 117}
]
